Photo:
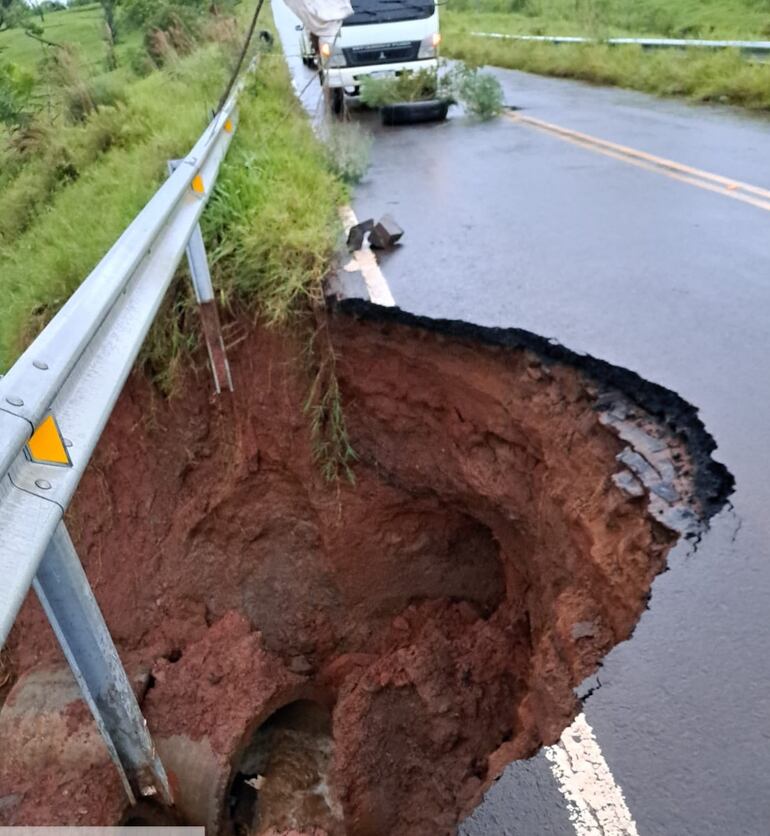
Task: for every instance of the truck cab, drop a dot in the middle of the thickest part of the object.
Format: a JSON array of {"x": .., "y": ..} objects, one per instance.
[{"x": 381, "y": 37}]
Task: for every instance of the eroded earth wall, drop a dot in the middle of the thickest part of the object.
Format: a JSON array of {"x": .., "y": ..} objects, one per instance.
[{"x": 511, "y": 507}]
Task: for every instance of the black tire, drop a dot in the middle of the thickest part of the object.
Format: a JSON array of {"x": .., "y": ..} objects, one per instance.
[
  {"x": 337, "y": 101},
  {"x": 412, "y": 113}
]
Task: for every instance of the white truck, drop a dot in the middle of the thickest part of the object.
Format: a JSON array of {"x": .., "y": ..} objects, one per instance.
[{"x": 381, "y": 37}]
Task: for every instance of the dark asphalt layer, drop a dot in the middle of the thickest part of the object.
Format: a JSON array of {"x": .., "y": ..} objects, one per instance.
[{"x": 507, "y": 226}]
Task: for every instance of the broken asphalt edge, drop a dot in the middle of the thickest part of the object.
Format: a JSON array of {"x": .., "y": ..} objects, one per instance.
[{"x": 713, "y": 483}]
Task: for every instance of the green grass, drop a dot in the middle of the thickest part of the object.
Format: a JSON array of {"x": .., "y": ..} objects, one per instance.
[
  {"x": 82, "y": 27},
  {"x": 730, "y": 19},
  {"x": 41, "y": 267},
  {"x": 270, "y": 224},
  {"x": 701, "y": 75}
]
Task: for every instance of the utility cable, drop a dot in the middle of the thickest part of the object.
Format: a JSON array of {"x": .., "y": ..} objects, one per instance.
[{"x": 242, "y": 56}]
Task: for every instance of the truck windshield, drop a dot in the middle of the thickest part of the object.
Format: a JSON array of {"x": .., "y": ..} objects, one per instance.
[{"x": 388, "y": 11}]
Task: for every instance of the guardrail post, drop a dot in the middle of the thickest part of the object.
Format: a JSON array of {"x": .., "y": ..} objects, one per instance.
[
  {"x": 68, "y": 601},
  {"x": 207, "y": 306}
]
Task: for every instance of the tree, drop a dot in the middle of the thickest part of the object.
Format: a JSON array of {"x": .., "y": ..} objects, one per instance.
[
  {"x": 12, "y": 13},
  {"x": 108, "y": 8},
  {"x": 110, "y": 32}
]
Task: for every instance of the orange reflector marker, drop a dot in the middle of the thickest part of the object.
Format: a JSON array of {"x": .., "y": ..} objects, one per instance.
[
  {"x": 229, "y": 126},
  {"x": 197, "y": 184},
  {"x": 47, "y": 445}
]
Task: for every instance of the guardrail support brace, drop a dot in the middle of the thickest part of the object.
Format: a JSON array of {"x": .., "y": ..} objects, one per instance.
[
  {"x": 207, "y": 306},
  {"x": 68, "y": 601}
]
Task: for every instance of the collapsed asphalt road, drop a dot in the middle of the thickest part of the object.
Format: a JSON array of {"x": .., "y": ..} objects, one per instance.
[
  {"x": 360, "y": 659},
  {"x": 508, "y": 562},
  {"x": 507, "y": 226}
]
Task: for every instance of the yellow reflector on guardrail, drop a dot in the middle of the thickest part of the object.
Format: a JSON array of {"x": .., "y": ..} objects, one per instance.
[
  {"x": 197, "y": 184},
  {"x": 47, "y": 445}
]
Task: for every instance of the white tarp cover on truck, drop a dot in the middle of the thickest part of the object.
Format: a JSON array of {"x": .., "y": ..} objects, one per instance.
[{"x": 321, "y": 17}]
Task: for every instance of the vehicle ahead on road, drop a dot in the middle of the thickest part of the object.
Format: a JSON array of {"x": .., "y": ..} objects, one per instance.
[{"x": 381, "y": 37}]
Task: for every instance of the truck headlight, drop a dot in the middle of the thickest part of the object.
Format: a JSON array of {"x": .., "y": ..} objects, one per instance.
[
  {"x": 429, "y": 46},
  {"x": 337, "y": 58},
  {"x": 332, "y": 55}
]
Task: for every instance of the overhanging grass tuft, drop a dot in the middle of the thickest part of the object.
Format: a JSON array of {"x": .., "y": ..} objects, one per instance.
[{"x": 271, "y": 222}]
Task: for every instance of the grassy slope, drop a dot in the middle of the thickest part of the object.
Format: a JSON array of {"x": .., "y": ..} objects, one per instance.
[
  {"x": 271, "y": 223},
  {"x": 22, "y": 192},
  {"x": 745, "y": 19},
  {"x": 83, "y": 26},
  {"x": 703, "y": 76}
]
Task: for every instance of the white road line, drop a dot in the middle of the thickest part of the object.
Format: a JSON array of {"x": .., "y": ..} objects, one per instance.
[
  {"x": 365, "y": 261},
  {"x": 362, "y": 260},
  {"x": 595, "y": 803}
]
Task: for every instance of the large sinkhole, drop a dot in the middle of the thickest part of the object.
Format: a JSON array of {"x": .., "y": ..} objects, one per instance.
[{"x": 512, "y": 505}]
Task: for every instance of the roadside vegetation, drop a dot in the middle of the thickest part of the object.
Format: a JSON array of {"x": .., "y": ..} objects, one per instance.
[
  {"x": 76, "y": 169},
  {"x": 87, "y": 124},
  {"x": 723, "y": 76},
  {"x": 480, "y": 93}
]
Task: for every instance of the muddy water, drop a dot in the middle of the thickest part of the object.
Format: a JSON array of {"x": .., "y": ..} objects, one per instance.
[{"x": 283, "y": 780}]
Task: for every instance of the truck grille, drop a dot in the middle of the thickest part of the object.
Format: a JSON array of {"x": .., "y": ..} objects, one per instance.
[{"x": 361, "y": 56}]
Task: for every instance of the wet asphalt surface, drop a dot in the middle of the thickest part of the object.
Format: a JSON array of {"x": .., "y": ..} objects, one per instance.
[{"x": 506, "y": 226}]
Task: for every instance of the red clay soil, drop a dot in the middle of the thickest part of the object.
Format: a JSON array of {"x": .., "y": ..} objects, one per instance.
[
  {"x": 444, "y": 607},
  {"x": 51, "y": 759}
]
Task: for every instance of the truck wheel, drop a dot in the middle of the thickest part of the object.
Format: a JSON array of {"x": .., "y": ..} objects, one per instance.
[{"x": 338, "y": 101}]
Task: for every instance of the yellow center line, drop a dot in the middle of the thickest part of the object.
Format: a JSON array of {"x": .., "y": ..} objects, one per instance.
[{"x": 735, "y": 189}]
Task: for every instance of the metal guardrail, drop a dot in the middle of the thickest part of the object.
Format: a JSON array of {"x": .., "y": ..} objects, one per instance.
[
  {"x": 753, "y": 47},
  {"x": 74, "y": 372}
]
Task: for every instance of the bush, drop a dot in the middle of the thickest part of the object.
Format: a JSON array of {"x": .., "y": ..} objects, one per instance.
[
  {"x": 347, "y": 146},
  {"x": 45, "y": 161},
  {"x": 63, "y": 70},
  {"x": 107, "y": 91},
  {"x": 480, "y": 93},
  {"x": 140, "y": 62},
  {"x": 173, "y": 31},
  {"x": 223, "y": 29},
  {"x": 16, "y": 88},
  {"x": 137, "y": 14}
]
